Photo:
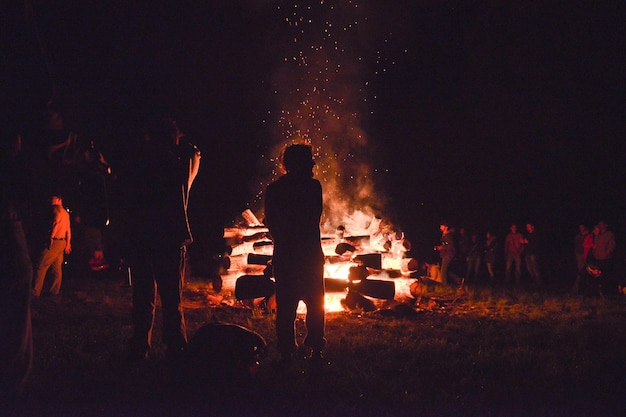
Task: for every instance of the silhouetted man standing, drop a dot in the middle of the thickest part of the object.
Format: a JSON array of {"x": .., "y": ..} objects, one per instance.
[
  {"x": 293, "y": 209},
  {"x": 447, "y": 252},
  {"x": 513, "y": 249},
  {"x": 159, "y": 232},
  {"x": 531, "y": 253}
]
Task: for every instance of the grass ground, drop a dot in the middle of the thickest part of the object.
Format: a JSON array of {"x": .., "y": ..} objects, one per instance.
[{"x": 484, "y": 353}]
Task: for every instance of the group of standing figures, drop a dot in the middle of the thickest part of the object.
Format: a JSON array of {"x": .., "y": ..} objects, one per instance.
[
  {"x": 155, "y": 195},
  {"x": 462, "y": 255},
  {"x": 155, "y": 192},
  {"x": 468, "y": 257},
  {"x": 156, "y": 232},
  {"x": 35, "y": 171},
  {"x": 598, "y": 271}
]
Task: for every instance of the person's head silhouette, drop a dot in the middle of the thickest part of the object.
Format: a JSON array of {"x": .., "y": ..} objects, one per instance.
[{"x": 298, "y": 158}]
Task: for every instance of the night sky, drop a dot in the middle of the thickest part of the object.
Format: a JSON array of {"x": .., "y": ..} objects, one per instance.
[{"x": 482, "y": 113}]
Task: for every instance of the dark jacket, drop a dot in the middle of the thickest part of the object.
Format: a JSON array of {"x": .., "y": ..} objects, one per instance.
[{"x": 293, "y": 209}]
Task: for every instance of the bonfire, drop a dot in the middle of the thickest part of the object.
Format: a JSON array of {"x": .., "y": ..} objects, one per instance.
[{"x": 365, "y": 263}]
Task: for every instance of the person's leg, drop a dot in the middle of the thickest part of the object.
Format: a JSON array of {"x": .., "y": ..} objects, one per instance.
[
  {"x": 445, "y": 263},
  {"x": 144, "y": 297},
  {"x": 518, "y": 270},
  {"x": 537, "y": 270},
  {"x": 453, "y": 270},
  {"x": 533, "y": 268},
  {"x": 315, "y": 316},
  {"x": 286, "y": 305},
  {"x": 169, "y": 277},
  {"x": 41, "y": 269},
  {"x": 49, "y": 257},
  {"x": 529, "y": 267},
  {"x": 57, "y": 267},
  {"x": 580, "y": 261},
  {"x": 507, "y": 273}
]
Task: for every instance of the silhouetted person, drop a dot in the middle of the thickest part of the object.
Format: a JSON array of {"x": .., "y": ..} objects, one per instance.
[
  {"x": 489, "y": 253},
  {"x": 293, "y": 209},
  {"x": 158, "y": 231},
  {"x": 583, "y": 243},
  {"x": 16, "y": 343},
  {"x": 447, "y": 252},
  {"x": 513, "y": 249},
  {"x": 57, "y": 243},
  {"x": 55, "y": 150},
  {"x": 592, "y": 282},
  {"x": 70, "y": 164},
  {"x": 531, "y": 253},
  {"x": 603, "y": 248}
]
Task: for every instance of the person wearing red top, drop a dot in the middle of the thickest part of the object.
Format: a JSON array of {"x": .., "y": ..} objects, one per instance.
[{"x": 588, "y": 244}]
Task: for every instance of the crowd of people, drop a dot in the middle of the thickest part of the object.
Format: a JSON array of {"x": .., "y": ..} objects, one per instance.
[
  {"x": 517, "y": 260},
  {"x": 156, "y": 232},
  {"x": 598, "y": 271},
  {"x": 48, "y": 165}
]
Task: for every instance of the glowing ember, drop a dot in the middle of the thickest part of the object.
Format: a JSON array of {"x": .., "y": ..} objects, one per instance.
[
  {"x": 332, "y": 52},
  {"x": 321, "y": 87}
]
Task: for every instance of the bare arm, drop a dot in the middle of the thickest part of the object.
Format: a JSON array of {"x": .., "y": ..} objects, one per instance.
[{"x": 194, "y": 167}]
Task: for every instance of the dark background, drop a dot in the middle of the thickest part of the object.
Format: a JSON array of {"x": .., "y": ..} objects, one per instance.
[{"x": 492, "y": 112}]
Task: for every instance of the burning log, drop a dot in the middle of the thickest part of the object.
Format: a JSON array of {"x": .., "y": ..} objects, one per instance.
[
  {"x": 372, "y": 260},
  {"x": 236, "y": 235},
  {"x": 358, "y": 273},
  {"x": 248, "y": 287},
  {"x": 343, "y": 248},
  {"x": 375, "y": 288},
  {"x": 257, "y": 259},
  {"x": 362, "y": 260},
  {"x": 358, "y": 240},
  {"x": 335, "y": 285},
  {"x": 262, "y": 244},
  {"x": 254, "y": 237},
  {"x": 250, "y": 218},
  {"x": 386, "y": 273},
  {"x": 336, "y": 259}
]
